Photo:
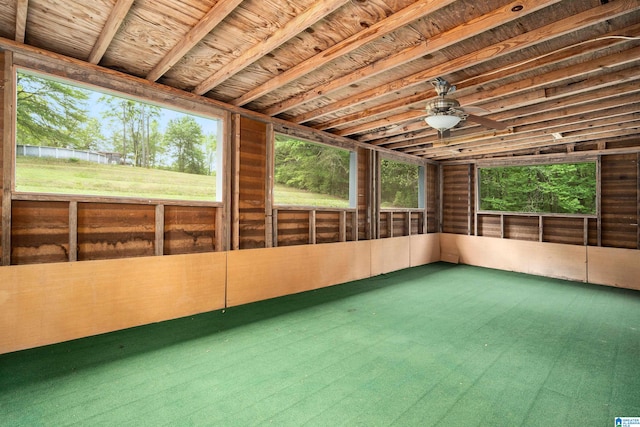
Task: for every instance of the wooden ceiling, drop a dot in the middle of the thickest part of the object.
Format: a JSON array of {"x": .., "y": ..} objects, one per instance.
[{"x": 563, "y": 75}]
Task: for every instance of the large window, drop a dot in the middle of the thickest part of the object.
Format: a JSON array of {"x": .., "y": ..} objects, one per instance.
[
  {"x": 558, "y": 188},
  {"x": 75, "y": 140},
  {"x": 310, "y": 174},
  {"x": 400, "y": 185}
]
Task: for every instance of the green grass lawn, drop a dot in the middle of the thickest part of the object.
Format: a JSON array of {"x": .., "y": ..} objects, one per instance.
[{"x": 60, "y": 176}]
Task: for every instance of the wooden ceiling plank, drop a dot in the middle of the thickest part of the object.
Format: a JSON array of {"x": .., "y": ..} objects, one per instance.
[
  {"x": 117, "y": 15},
  {"x": 313, "y": 14},
  {"x": 539, "y": 35},
  {"x": 477, "y": 96},
  {"x": 22, "y": 8},
  {"x": 392, "y": 23},
  {"x": 497, "y": 96},
  {"x": 467, "y": 30},
  {"x": 209, "y": 21}
]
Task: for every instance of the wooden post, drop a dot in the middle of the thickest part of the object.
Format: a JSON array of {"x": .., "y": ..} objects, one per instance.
[
  {"x": 159, "y": 247},
  {"x": 408, "y": 223},
  {"x": 638, "y": 199},
  {"x": 599, "y": 199},
  {"x": 274, "y": 222},
  {"x": 8, "y": 143},
  {"x": 312, "y": 227},
  {"x": 268, "y": 190},
  {"x": 235, "y": 184},
  {"x": 343, "y": 226},
  {"x": 73, "y": 231}
]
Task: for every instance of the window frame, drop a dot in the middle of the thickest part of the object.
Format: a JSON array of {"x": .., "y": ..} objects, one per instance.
[
  {"x": 422, "y": 185},
  {"x": 479, "y": 211},
  {"x": 152, "y": 96},
  {"x": 353, "y": 175}
]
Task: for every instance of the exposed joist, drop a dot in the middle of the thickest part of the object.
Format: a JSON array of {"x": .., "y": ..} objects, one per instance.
[
  {"x": 542, "y": 34},
  {"x": 117, "y": 15},
  {"x": 579, "y": 70},
  {"x": 379, "y": 29},
  {"x": 313, "y": 14},
  {"x": 22, "y": 7},
  {"x": 209, "y": 21},
  {"x": 467, "y": 30}
]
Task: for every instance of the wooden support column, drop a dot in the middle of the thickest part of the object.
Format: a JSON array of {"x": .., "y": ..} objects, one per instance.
[
  {"x": 408, "y": 222},
  {"x": 274, "y": 224},
  {"x": 312, "y": 227},
  {"x": 599, "y": 199},
  {"x": 7, "y": 87},
  {"x": 638, "y": 199},
  {"x": 268, "y": 187},
  {"x": 235, "y": 184},
  {"x": 440, "y": 198},
  {"x": 540, "y": 228},
  {"x": 586, "y": 231},
  {"x": 159, "y": 246},
  {"x": 389, "y": 224},
  {"x": 343, "y": 226},
  {"x": 73, "y": 231},
  {"x": 469, "y": 198}
]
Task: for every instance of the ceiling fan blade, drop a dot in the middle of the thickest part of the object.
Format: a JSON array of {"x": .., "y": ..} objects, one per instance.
[
  {"x": 470, "y": 109},
  {"x": 487, "y": 122}
]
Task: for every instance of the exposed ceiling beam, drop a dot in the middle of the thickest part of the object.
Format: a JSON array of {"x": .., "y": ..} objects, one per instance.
[
  {"x": 117, "y": 15},
  {"x": 313, "y": 14},
  {"x": 469, "y": 29},
  {"x": 546, "y": 78},
  {"x": 539, "y": 35},
  {"x": 22, "y": 7},
  {"x": 379, "y": 29},
  {"x": 208, "y": 22}
]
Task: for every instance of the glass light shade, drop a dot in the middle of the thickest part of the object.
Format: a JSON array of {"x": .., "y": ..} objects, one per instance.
[{"x": 442, "y": 121}]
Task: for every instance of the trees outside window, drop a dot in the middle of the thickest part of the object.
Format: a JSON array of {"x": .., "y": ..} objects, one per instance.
[
  {"x": 75, "y": 140},
  {"x": 400, "y": 184},
  {"x": 311, "y": 174},
  {"x": 558, "y": 188}
]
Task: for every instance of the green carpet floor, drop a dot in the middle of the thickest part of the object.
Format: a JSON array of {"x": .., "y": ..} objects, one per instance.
[{"x": 439, "y": 345}]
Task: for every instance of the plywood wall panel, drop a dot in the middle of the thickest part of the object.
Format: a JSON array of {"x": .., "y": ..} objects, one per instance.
[
  {"x": 113, "y": 230},
  {"x": 189, "y": 229},
  {"x": 48, "y": 303},
  {"x": 614, "y": 267},
  {"x": 544, "y": 259},
  {"x": 39, "y": 232},
  {"x": 259, "y": 274},
  {"x": 389, "y": 255},
  {"x": 424, "y": 249}
]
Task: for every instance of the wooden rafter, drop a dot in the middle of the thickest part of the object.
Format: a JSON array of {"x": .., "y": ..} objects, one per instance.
[
  {"x": 22, "y": 7},
  {"x": 314, "y": 13},
  {"x": 392, "y": 23},
  {"x": 208, "y": 22},
  {"x": 545, "y": 33},
  {"x": 470, "y": 29},
  {"x": 497, "y": 96},
  {"x": 117, "y": 15}
]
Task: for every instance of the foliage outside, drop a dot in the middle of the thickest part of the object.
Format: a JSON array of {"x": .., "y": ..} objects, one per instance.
[
  {"x": 55, "y": 114},
  {"x": 559, "y": 188},
  {"x": 399, "y": 184},
  {"x": 302, "y": 166}
]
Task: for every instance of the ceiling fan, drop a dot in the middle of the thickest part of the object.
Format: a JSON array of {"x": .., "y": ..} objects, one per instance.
[{"x": 445, "y": 113}]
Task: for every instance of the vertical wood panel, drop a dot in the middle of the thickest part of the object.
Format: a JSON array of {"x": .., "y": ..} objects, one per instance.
[
  {"x": 73, "y": 231},
  {"x": 619, "y": 201}
]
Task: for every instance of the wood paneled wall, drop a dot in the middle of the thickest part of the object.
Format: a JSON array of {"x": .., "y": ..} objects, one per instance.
[{"x": 616, "y": 223}]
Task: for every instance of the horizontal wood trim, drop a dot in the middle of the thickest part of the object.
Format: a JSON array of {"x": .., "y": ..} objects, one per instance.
[{"x": 44, "y": 197}]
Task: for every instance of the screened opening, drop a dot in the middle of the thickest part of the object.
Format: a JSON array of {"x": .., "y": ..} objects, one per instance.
[
  {"x": 312, "y": 174},
  {"x": 568, "y": 188},
  {"x": 401, "y": 184},
  {"x": 75, "y": 140}
]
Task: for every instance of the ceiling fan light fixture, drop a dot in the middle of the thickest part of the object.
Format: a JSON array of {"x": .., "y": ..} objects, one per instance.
[{"x": 442, "y": 122}]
